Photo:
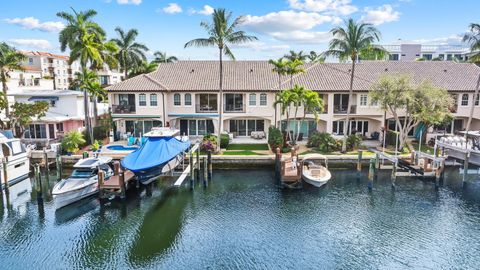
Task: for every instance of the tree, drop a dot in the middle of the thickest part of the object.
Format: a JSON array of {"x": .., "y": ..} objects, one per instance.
[
  {"x": 373, "y": 52},
  {"x": 292, "y": 56},
  {"x": 293, "y": 68},
  {"x": 23, "y": 113},
  {"x": 347, "y": 43},
  {"x": 473, "y": 38},
  {"x": 85, "y": 39},
  {"x": 72, "y": 141},
  {"x": 10, "y": 59},
  {"x": 411, "y": 104},
  {"x": 130, "y": 53},
  {"x": 279, "y": 67},
  {"x": 88, "y": 80},
  {"x": 314, "y": 57},
  {"x": 161, "y": 57},
  {"x": 222, "y": 32},
  {"x": 284, "y": 100},
  {"x": 144, "y": 68}
]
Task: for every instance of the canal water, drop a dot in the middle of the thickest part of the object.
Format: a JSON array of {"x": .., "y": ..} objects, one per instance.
[{"x": 242, "y": 220}]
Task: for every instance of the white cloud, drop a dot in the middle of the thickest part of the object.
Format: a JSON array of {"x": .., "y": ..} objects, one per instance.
[
  {"x": 207, "y": 10},
  {"x": 172, "y": 8},
  {"x": 260, "y": 46},
  {"x": 304, "y": 37},
  {"x": 380, "y": 15},
  {"x": 285, "y": 21},
  {"x": 450, "y": 40},
  {"x": 341, "y": 7},
  {"x": 34, "y": 23},
  {"x": 129, "y": 2},
  {"x": 32, "y": 43}
]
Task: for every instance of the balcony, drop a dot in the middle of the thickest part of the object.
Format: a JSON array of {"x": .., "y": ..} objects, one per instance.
[
  {"x": 234, "y": 108},
  {"x": 205, "y": 109},
  {"x": 342, "y": 109},
  {"x": 123, "y": 109}
]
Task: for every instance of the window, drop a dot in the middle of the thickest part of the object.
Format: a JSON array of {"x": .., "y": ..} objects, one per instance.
[
  {"x": 393, "y": 57},
  {"x": 363, "y": 100},
  {"x": 60, "y": 127},
  {"x": 477, "y": 100},
  {"x": 252, "y": 100},
  {"x": 30, "y": 61},
  {"x": 37, "y": 131},
  {"x": 206, "y": 103},
  {"x": 195, "y": 127},
  {"x": 464, "y": 100},
  {"x": 233, "y": 103},
  {"x": 153, "y": 100},
  {"x": 374, "y": 103},
  {"x": 449, "y": 57},
  {"x": 263, "y": 99},
  {"x": 176, "y": 100},
  {"x": 427, "y": 56},
  {"x": 142, "y": 100},
  {"x": 188, "y": 100},
  {"x": 244, "y": 127}
]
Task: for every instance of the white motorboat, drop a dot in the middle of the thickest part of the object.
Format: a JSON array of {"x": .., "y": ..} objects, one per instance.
[
  {"x": 83, "y": 181},
  {"x": 313, "y": 172},
  {"x": 15, "y": 155}
]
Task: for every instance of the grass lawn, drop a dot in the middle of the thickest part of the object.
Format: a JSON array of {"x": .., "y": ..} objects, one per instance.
[
  {"x": 364, "y": 154},
  {"x": 424, "y": 148},
  {"x": 242, "y": 153},
  {"x": 247, "y": 147}
]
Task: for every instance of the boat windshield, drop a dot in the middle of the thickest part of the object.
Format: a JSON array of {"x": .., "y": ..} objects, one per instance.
[{"x": 82, "y": 173}]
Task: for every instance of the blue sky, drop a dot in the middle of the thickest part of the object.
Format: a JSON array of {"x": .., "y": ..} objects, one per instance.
[{"x": 280, "y": 25}]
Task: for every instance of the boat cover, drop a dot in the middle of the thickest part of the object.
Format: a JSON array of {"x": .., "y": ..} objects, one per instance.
[{"x": 156, "y": 152}]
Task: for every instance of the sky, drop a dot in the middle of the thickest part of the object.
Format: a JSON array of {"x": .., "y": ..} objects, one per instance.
[{"x": 279, "y": 25}]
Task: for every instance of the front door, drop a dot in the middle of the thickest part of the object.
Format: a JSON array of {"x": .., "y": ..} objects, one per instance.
[{"x": 51, "y": 131}]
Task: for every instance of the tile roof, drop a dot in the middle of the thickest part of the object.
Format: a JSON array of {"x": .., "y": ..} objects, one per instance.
[
  {"x": 258, "y": 76},
  {"x": 47, "y": 54}
]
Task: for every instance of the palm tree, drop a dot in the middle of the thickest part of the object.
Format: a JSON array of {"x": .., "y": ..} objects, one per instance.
[
  {"x": 312, "y": 103},
  {"x": 10, "y": 59},
  {"x": 221, "y": 33},
  {"x": 161, "y": 57},
  {"x": 473, "y": 38},
  {"x": 347, "y": 43},
  {"x": 293, "y": 68},
  {"x": 284, "y": 99},
  {"x": 88, "y": 80},
  {"x": 292, "y": 56},
  {"x": 84, "y": 39},
  {"x": 130, "y": 53},
  {"x": 279, "y": 67},
  {"x": 314, "y": 57},
  {"x": 143, "y": 68}
]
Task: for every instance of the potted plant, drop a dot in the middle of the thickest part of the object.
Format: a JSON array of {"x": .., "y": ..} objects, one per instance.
[
  {"x": 72, "y": 141},
  {"x": 95, "y": 146}
]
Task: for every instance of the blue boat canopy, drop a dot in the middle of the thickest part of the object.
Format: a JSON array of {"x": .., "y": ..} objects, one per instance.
[{"x": 156, "y": 151}]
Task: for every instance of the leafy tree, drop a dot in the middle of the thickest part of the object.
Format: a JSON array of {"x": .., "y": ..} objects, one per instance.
[
  {"x": 144, "y": 68},
  {"x": 85, "y": 39},
  {"x": 411, "y": 104},
  {"x": 10, "y": 59},
  {"x": 72, "y": 141},
  {"x": 348, "y": 42},
  {"x": 130, "y": 53},
  {"x": 373, "y": 52},
  {"x": 292, "y": 56},
  {"x": 161, "y": 57},
  {"x": 279, "y": 67},
  {"x": 222, "y": 32},
  {"x": 23, "y": 113}
]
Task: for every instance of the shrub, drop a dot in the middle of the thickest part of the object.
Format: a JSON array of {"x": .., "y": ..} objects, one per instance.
[
  {"x": 72, "y": 141},
  {"x": 100, "y": 132},
  {"x": 95, "y": 146},
  {"x": 353, "y": 142},
  {"x": 390, "y": 137},
  {"x": 209, "y": 143},
  {"x": 224, "y": 141},
  {"x": 323, "y": 141},
  {"x": 275, "y": 138}
]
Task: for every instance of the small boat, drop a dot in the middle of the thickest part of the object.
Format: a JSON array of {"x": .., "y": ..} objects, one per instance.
[
  {"x": 83, "y": 181},
  {"x": 162, "y": 151},
  {"x": 16, "y": 158},
  {"x": 314, "y": 173}
]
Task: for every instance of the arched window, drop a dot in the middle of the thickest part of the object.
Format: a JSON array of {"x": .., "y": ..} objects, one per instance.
[
  {"x": 188, "y": 99},
  {"x": 465, "y": 100},
  {"x": 176, "y": 100}
]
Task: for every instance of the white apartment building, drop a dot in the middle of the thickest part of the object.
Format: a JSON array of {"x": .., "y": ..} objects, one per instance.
[
  {"x": 184, "y": 95},
  {"x": 413, "y": 51}
]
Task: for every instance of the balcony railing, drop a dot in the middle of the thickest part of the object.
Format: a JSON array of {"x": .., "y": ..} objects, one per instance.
[
  {"x": 123, "y": 109},
  {"x": 342, "y": 109},
  {"x": 205, "y": 109},
  {"x": 234, "y": 108}
]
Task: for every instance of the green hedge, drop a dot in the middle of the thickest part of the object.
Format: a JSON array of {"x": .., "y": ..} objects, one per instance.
[{"x": 275, "y": 138}]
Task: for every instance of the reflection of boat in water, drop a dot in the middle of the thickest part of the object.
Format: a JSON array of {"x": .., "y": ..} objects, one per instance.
[
  {"x": 83, "y": 181},
  {"x": 161, "y": 153},
  {"x": 160, "y": 227},
  {"x": 314, "y": 173},
  {"x": 19, "y": 193},
  {"x": 75, "y": 210}
]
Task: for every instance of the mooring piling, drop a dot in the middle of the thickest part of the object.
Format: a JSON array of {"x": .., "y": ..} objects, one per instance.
[
  {"x": 5, "y": 173},
  {"x": 371, "y": 173},
  {"x": 38, "y": 180},
  {"x": 192, "y": 176},
  {"x": 359, "y": 163},
  {"x": 101, "y": 180},
  {"x": 465, "y": 167},
  {"x": 197, "y": 167},
  {"x": 205, "y": 172},
  {"x": 278, "y": 166},
  {"x": 393, "y": 177},
  {"x": 58, "y": 164},
  {"x": 123, "y": 188},
  {"x": 210, "y": 167}
]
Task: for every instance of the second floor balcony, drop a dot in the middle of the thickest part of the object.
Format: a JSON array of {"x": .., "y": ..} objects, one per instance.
[
  {"x": 342, "y": 109},
  {"x": 123, "y": 109}
]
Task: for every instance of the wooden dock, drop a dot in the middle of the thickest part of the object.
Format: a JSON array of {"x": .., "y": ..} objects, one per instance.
[{"x": 117, "y": 184}]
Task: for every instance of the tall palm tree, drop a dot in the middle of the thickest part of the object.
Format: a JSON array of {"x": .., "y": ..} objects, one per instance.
[
  {"x": 143, "y": 68},
  {"x": 10, "y": 59},
  {"x": 222, "y": 32},
  {"x": 292, "y": 56},
  {"x": 130, "y": 53},
  {"x": 347, "y": 43},
  {"x": 312, "y": 103},
  {"x": 314, "y": 57},
  {"x": 88, "y": 80},
  {"x": 293, "y": 68},
  {"x": 473, "y": 38},
  {"x": 162, "y": 57},
  {"x": 84, "y": 39},
  {"x": 279, "y": 67},
  {"x": 284, "y": 100}
]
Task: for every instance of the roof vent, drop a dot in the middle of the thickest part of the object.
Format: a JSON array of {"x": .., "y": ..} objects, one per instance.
[
  {"x": 251, "y": 70},
  {"x": 444, "y": 70},
  {"x": 349, "y": 70},
  {"x": 192, "y": 71},
  {"x": 386, "y": 70}
]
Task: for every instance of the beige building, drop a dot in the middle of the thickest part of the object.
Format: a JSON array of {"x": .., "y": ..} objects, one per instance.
[{"x": 184, "y": 95}]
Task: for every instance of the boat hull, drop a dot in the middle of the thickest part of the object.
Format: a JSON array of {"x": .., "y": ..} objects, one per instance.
[
  {"x": 66, "y": 198},
  {"x": 147, "y": 177},
  {"x": 317, "y": 182}
]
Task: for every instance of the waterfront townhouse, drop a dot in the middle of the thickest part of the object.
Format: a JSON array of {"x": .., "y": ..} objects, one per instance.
[{"x": 185, "y": 95}]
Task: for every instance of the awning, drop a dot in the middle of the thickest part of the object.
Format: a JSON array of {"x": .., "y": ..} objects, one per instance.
[{"x": 40, "y": 98}]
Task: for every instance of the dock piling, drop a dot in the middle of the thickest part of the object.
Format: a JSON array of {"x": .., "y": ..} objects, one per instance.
[
  {"x": 192, "y": 177},
  {"x": 101, "y": 179},
  {"x": 278, "y": 166},
  {"x": 465, "y": 167},
  {"x": 38, "y": 180},
  {"x": 123, "y": 188},
  {"x": 58, "y": 164},
  {"x": 371, "y": 173},
  {"x": 359, "y": 163},
  {"x": 5, "y": 173},
  {"x": 45, "y": 160},
  {"x": 209, "y": 160},
  {"x": 205, "y": 172},
  {"x": 393, "y": 177},
  {"x": 197, "y": 167}
]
